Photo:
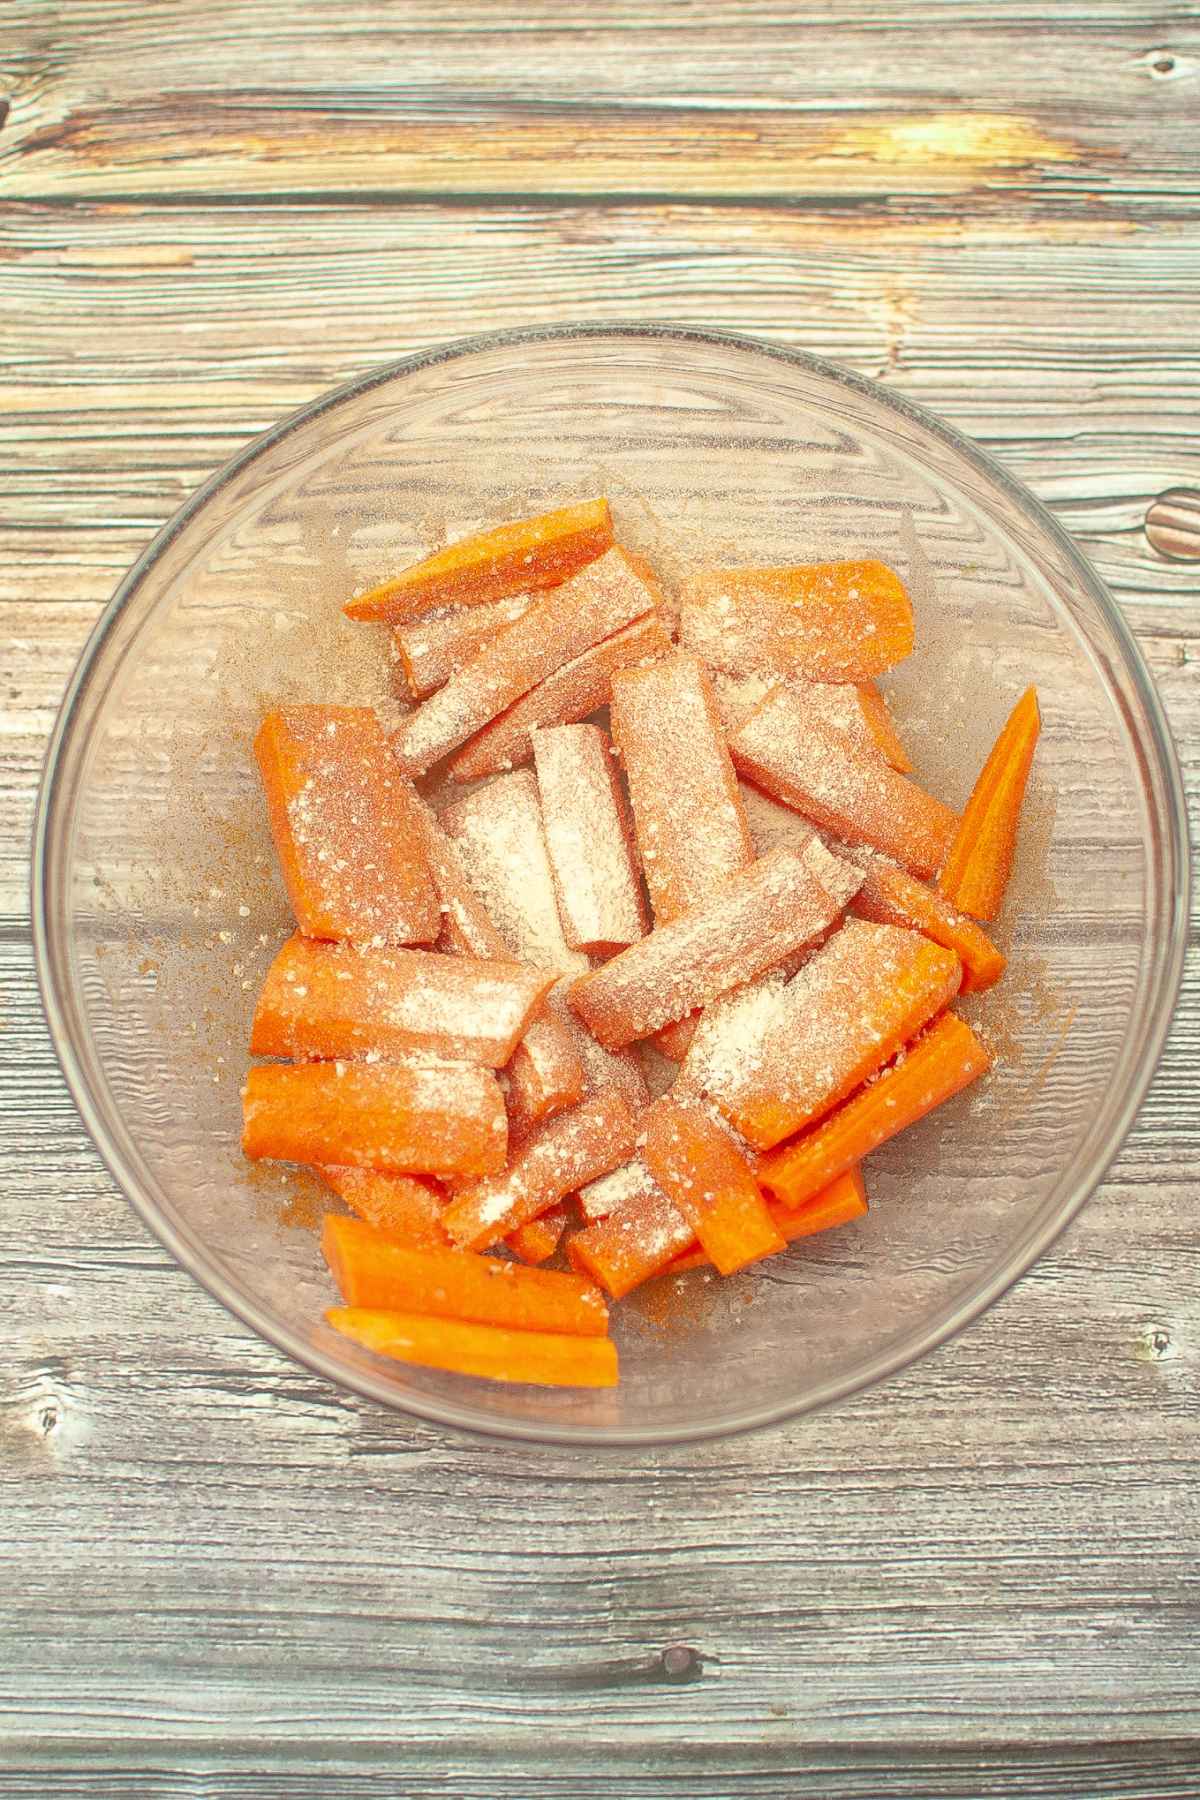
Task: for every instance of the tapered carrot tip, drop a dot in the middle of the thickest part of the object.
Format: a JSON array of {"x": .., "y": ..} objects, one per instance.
[
  {"x": 980, "y": 858},
  {"x": 530, "y": 553},
  {"x": 699, "y": 1167},
  {"x": 536, "y": 1358},
  {"x": 891, "y": 896}
]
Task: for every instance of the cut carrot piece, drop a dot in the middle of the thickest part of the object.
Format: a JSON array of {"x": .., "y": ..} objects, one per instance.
[
  {"x": 939, "y": 1064},
  {"x": 580, "y": 687},
  {"x": 879, "y": 723},
  {"x": 393, "y": 1117},
  {"x": 347, "y": 840},
  {"x": 537, "y": 1358},
  {"x": 511, "y": 559},
  {"x": 501, "y": 841},
  {"x": 687, "y": 810},
  {"x": 856, "y": 710},
  {"x": 537, "y": 1239},
  {"x": 979, "y": 861},
  {"x": 891, "y": 896},
  {"x": 603, "y": 1070},
  {"x": 636, "y": 1240},
  {"x": 371, "y": 1270},
  {"x": 545, "y": 1074},
  {"x": 588, "y": 608},
  {"x": 843, "y": 1200},
  {"x": 568, "y": 1150},
  {"x": 432, "y": 649},
  {"x": 675, "y": 1039},
  {"x": 408, "y": 1207},
  {"x": 778, "y": 904},
  {"x": 840, "y": 621},
  {"x": 596, "y": 877},
  {"x": 864, "y": 994},
  {"x": 699, "y": 1167},
  {"x": 801, "y": 761},
  {"x": 609, "y": 1193},
  {"x": 328, "y": 1000}
]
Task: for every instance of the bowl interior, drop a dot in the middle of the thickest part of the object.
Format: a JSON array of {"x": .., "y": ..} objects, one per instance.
[{"x": 162, "y": 908}]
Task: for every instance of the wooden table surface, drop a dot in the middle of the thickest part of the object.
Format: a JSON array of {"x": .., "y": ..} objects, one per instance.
[{"x": 217, "y": 1575}]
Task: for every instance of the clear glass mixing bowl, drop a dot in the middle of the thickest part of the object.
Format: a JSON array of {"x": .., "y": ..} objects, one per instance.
[{"x": 156, "y": 906}]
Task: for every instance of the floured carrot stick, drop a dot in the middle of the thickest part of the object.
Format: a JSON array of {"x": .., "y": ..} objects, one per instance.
[
  {"x": 840, "y": 621},
  {"x": 939, "y": 1064},
  {"x": 979, "y": 861},
  {"x": 856, "y": 710},
  {"x": 561, "y": 624},
  {"x": 394, "y": 1117},
  {"x": 843, "y": 1200},
  {"x": 408, "y": 1207},
  {"x": 675, "y": 1039},
  {"x": 853, "y": 1006},
  {"x": 881, "y": 726},
  {"x": 781, "y": 902},
  {"x": 568, "y": 1150},
  {"x": 802, "y": 762},
  {"x": 636, "y": 1239},
  {"x": 687, "y": 811},
  {"x": 538, "y": 1358},
  {"x": 372, "y": 1270},
  {"x": 348, "y": 844},
  {"x": 578, "y": 688},
  {"x": 609, "y": 1193},
  {"x": 432, "y": 649},
  {"x": 328, "y": 1000},
  {"x": 699, "y": 1167},
  {"x": 491, "y": 565},
  {"x": 596, "y": 877},
  {"x": 603, "y": 1070},
  {"x": 891, "y": 896},
  {"x": 538, "y": 1239},
  {"x": 500, "y": 838}
]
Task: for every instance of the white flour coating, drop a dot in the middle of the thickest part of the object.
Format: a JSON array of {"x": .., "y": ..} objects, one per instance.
[{"x": 596, "y": 879}]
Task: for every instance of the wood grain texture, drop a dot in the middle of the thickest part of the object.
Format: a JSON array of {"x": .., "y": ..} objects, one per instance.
[{"x": 220, "y": 1576}]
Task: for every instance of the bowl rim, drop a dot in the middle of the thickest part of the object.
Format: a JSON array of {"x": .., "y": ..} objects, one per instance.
[{"x": 1039, "y": 1235}]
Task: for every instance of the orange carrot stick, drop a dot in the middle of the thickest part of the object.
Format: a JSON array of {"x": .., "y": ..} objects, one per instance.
[
  {"x": 570, "y": 694},
  {"x": 372, "y": 1270},
  {"x": 979, "y": 861},
  {"x": 394, "y": 1117},
  {"x": 596, "y": 876},
  {"x": 853, "y": 1006},
  {"x": 778, "y": 904},
  {"x": 586, "y": 609},
  {"x": 843, "y": 1200},
  {"x": 637, "y": 1239},
  {"x": 941, "y": 1062},
  {"x": 568, "y": 1150},
  {"x": 510, "y": 559},
  {"x": 841, "y": 621},
  {"x": 432, "y": 649},
  {"x": 537, "y": 1239},
  {"x": 878, "y": 719},
  {"x": 327, "y": 1000},
  {"x": 799, "y": 760},
  {"x": 347, "y": 841},
  {"x": 602, "y": 1069},
  {"x": 688, "y": 817},
  {"x": 539, "y": 1358},
  {"x": 674, "y": 1040},
  {"x": 408, "y": 1207},
  {"x": 891, "y": 896},
  {"x": 698, "y": 1166}
]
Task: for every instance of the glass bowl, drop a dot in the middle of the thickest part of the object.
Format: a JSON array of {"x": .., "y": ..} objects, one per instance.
[{"x": 156, "y": 906}]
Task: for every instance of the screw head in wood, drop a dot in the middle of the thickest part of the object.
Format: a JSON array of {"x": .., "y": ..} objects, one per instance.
[{"x": 1173, "y": 524}]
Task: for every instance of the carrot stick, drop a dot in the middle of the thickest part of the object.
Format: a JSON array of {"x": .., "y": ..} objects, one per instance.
[
  {"x": 853, "y": 1006},
  {"x": 942, "y": 1061},
  {"x": 840, "y": 621},
  {"x": 602, "y": 1069},
  {"x": 802, "y": 762},
  {"x": 537, "y": 1239},
  {"x": 891, "y": 896},
  {"x": 674, "y": 1040},
  {"x": 878, "y": 720},
  {"x": 348, "y": 844},
  {"x": 596, "y": 877},
  {"x": 491, "y": 565},
  {"x": 408, "y": 1207},
  {"x": 539, "y": 1358},
  {"x": 698, "y": 1166},
  {"x": 432, "y": 649},
  {"x": 589, "y": 607},
  {"x": 843, "y": 1200},
  {"x": 568, "y": 1150},
  {"x": 397, "y": 1118},
  {"x": 637, "y": 1239},
  {"x": 327, "y": 1000},
  {"x": 563, "y": 698},
  {"x": 779, "y": 903},
  {"x": 688, "y": 817},
  {"x": 979, "y": 861},
  {"x": 372, "y": 1270}
]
